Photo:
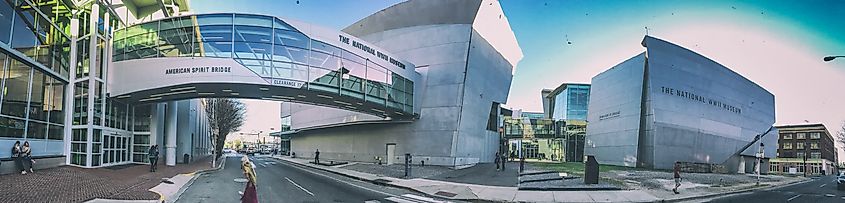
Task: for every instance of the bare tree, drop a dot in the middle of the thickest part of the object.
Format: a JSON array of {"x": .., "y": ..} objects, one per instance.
[
  {"x": 224, "y": 116},
  {"x": 840, "y": 137}
]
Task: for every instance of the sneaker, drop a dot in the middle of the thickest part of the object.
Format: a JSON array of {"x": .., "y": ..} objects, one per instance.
[
  {"x": 23, "y": 172},
  {"x": 31, "y": 170}
]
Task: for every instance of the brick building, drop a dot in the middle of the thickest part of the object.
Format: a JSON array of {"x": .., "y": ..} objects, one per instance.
[{"x": 804, "y": 149}]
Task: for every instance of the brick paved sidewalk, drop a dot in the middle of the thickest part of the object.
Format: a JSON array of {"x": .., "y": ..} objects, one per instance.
[{"x": 73, "y": 184}]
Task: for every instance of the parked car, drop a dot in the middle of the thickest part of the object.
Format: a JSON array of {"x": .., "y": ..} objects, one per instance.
[
  {"x": 840, "y": 181},
  {"x": 250, "y": 151},
  {"x": 228, "y": 151}
]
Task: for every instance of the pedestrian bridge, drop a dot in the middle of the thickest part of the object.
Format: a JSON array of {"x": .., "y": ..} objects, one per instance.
[{"x": 258, "y": 57}]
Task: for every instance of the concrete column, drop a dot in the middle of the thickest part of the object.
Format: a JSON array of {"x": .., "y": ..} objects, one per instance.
[
  {"x": 170, "y": 134},
  {"x": 69, "y": 90}
]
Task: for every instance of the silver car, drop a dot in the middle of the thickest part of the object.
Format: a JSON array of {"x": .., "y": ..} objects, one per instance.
[{"x": 840, "y": 180}]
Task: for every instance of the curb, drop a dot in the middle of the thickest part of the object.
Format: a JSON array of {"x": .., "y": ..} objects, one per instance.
[
  {"x": 733, "y": 192},
  {"x": 191, "y": 182},
  {"x": 378, "y": 182}
]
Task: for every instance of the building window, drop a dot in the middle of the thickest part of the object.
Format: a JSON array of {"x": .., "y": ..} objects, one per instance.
[
  {"x": 799, "y": 145},
  {"x": 15, "y": 91},
  {"x": 787, "y": 145},
  {"x": 493, "y": 118},
  {"x": 800, "y": 155},
  {"x": 815, "y": 155},
  {"x": 815, "y": 135},
  {"x": 787, "y": 136},
  {"x": 801, "y": 136},
  {"x": 814, "y": 145}
]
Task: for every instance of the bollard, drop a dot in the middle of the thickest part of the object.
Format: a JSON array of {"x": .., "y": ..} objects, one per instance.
[
  {"x": 521, "y": 164},
  {"x": 504, "y": 162},
  {"x": 422, "y": 162},
  {"x": 407, "y": 165}
]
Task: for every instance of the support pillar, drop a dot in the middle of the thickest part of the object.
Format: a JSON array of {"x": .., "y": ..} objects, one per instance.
[{"x": 170, "y": 134}]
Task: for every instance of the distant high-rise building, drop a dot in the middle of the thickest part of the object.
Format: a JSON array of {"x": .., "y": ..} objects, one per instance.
[{"x": 567, "y": 101}]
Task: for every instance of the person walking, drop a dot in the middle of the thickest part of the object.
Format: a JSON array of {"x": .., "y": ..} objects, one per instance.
[
  {"x": 317, "y": 157},
  {"x": 16, "y": 157},
  {"x": 153, "y": 156},
  {"x": 496, "y": 159},
  {"x": 26, "y": 155},
  {"x": 677, "y": 172},
  {"x": 504, "y": 160},
  {"x": 250, "y": 194}
]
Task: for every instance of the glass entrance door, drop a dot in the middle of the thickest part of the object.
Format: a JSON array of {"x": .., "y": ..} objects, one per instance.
[{"x": 115, "y": 148}]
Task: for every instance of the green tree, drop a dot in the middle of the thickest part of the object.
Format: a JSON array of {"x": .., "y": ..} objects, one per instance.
[{"x": 238, "y": 144}]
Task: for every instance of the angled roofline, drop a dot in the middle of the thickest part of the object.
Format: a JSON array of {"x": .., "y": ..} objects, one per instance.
[{"x": 649, "y": 37}]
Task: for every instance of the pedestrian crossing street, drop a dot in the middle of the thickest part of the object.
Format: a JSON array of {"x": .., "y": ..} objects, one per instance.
[{"x": 406, "y": 198}]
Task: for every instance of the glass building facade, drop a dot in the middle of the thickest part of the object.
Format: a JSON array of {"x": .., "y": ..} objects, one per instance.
[
  {"x": 558, "y": 133},
  {"x": 571, "y": 102},
  {"x": 35, "y": 58},
  {"x": 272, "y": 49},
  {"x": 532, "y": 138},
  {"x": 53, "y": 71}
]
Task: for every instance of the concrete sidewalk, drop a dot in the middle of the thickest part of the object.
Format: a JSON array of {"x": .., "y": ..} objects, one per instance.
[{"x": 461, "y": 191}]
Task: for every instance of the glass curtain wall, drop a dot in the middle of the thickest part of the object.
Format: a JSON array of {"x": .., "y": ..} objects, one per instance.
[
  {"x": 141, "y": 119},
  {"x": 270, "y": 48},
  {"x": 32, "y": 99},
  {"x": 101, "y": 126}
]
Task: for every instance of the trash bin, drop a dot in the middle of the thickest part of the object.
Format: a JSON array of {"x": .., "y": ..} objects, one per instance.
[
  {"x": 186, "y": 159},
  {"x": 591, "y": 170}
]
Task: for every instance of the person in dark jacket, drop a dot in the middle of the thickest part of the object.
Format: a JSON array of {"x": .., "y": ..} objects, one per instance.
[
  {"x": 153, "y": 155},
  {"x": 317, "y": 157},
  {"x": 26, "y": 157},
  {"x": 16, "y": 156},
  {"x": 677, "y": 171}
]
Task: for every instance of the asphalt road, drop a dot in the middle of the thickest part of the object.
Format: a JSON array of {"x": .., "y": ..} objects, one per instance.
[
  {"x": 815, "y": 191},
  {"x": 280, "y": 181}
]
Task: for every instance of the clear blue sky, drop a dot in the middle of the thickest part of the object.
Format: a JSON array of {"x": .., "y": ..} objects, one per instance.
[{"x": 777, "y": 44}]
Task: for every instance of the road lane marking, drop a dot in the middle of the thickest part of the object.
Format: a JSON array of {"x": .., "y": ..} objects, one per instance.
[
  {"x": 399, "y": 200},
  {"x": 299, "y": 186},
  {"x": 335, "y": 179},
  {"x": 421, "y": 198},
  {"x": 790, "y": 199},
  {"x": 822, "y": 185}
]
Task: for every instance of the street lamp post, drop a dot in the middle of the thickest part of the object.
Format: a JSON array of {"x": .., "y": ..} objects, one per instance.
[
  {"x": 830, "y": 58},
  {"x": 759, "y": 160},
  {"x": 805, "y": 158}
]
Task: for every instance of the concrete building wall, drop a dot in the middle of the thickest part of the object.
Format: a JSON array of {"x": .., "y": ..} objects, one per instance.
[
  {"x": 433, "y": 134},
  {"x": 614, "y": 113},
  {"x": 189, "y": 138},
  {"x": 695, "y": 125},
  {"x": 488, "y": 81},
  {"x": 462, "y": 75},
  {"x": 320, "y": 116},
  {"x": 691, "y": 110}
]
